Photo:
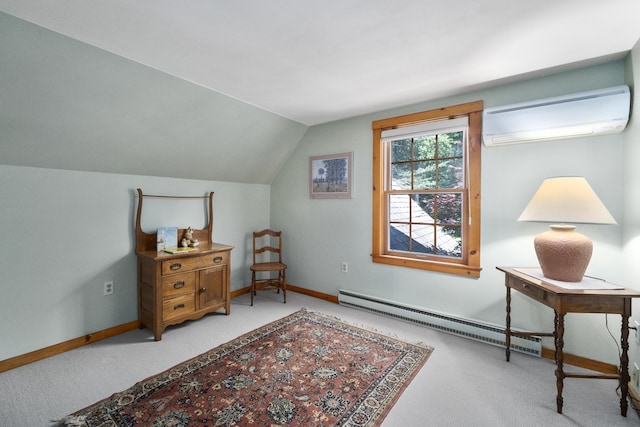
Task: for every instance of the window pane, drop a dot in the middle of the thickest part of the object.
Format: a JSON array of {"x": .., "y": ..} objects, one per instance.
[
  {"x": 449, "y": 208},
  {"x": 423, "y": 211},
  {"x": 424, "y": 176},
  {"x": 401, "y": 150},
  {"x": 424, "y": 147},
  {"x": 399, "y": 208},
  {"x": 450, "y": 242},
  {"x": 422, "y": 238},
  {"x": 451, "y": 174},
  {"x": 450, "y": 144},
  {"x": 401, "y": 176},
  {"x": 399, "y": 237}
]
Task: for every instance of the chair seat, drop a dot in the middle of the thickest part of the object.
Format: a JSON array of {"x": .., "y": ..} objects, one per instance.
[{"x": 268, "y": 266}]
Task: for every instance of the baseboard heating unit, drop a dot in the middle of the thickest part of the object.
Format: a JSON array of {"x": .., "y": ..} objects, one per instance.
[{"x": 468, "y": 328}]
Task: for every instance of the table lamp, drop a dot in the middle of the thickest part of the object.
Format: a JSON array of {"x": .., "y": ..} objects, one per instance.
[{"x": 563, "y": 253}]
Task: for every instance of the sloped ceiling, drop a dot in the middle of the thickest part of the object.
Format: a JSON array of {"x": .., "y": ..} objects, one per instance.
[
  {"x": 216, "y": 89},
  {"x": 68, "y": 105}
]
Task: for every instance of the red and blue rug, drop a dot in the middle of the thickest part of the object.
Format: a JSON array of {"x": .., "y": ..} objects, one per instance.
[{"x": 307, "y": 369}]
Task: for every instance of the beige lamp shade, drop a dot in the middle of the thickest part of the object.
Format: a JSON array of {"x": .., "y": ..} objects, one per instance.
[
  {"x": 566, "y": 199},
  {"x": 563, "y": 253}
]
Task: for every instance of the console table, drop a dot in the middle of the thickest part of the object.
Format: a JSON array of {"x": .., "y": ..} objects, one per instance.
[{"x": 563, "y": 301}]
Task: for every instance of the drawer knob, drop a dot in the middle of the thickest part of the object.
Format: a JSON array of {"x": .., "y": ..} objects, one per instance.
[
  {"x": 179, "y": 284},
  {"x": 179, "y": 306},
  {"x": 217, "y": 259},
  {"x": 176, "y": 266},
  {"x": 203, "y": 290}
]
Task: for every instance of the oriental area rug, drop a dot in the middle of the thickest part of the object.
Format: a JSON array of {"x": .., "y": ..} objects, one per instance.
[{"x": 306, "y": 369}]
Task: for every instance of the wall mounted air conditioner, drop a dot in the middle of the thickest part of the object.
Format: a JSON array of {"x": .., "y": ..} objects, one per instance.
[{"x": 596, "y": 112}]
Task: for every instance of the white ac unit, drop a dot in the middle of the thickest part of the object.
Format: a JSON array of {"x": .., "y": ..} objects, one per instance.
[{"x": 596, "y": 112}]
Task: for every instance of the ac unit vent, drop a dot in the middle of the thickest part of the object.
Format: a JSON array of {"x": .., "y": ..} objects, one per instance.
[{"x": 597, "y": 112}]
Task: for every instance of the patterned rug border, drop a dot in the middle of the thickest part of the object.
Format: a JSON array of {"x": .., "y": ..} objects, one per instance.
[
  {"x": 365, "y": 327},
  {"x": 195, "y": 363}
]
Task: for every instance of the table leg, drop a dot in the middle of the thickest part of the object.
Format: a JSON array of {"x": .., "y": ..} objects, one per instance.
[
  {"x": 624, "y": 361},
  {"x": 559, "y": 339},
  {"x": 507, "y": 331}
]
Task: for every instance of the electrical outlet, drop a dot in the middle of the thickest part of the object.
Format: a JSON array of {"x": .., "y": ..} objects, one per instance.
[
  {"x": 637, "y": 331},
  {"x": 108, "y": 287},
  {"x": 345, "y": 267}
]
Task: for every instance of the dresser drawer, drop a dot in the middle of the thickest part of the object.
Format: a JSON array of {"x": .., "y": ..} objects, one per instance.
[
  {"x": 530, "y": 291},
  {"x": 178, "y": 284},
  {"x": 194, "y": 263},
  {"x": 178, "y": 306}
]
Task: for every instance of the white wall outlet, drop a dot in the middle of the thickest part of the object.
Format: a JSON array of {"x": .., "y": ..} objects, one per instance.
[
  {"x": 108, "y": 287},
  {"x": 345, "y": 267}
]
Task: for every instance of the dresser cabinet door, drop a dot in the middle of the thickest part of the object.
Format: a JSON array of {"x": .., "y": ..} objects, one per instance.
[{"x": 213, "y": 289}]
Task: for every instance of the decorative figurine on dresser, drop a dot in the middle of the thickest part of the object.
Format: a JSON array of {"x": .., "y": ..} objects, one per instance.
[{"x": 180, "y": 283}]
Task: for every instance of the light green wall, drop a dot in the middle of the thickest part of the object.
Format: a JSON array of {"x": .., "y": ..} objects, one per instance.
[
  {"x": 65, "y": 233},
  {"x": 323, "y": 233}
]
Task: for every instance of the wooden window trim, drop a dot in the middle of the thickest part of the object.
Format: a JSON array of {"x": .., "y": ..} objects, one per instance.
[{"x": 471, "y": 267}]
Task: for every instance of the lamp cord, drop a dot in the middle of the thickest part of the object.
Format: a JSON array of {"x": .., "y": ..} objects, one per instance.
[{"x": 606, "y": 321}]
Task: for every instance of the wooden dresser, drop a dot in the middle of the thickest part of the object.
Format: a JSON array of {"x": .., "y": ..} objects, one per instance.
[{"x": 173, "y": 288}]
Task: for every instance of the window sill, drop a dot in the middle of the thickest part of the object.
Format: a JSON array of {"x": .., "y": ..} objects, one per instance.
[{"x": 429, "y": 265}]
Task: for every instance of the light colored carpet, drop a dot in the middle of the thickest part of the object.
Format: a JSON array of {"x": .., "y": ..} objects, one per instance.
[{"x": 463, "y": 383}]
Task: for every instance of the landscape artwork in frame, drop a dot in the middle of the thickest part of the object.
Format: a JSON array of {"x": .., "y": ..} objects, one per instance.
[{"x": 331, "y": 176}]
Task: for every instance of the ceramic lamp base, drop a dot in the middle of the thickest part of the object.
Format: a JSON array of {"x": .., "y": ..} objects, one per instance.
[{"x": 563, "y": 253}]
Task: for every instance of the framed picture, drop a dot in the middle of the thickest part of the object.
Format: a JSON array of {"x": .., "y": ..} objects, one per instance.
[
  {"x": 331, "y": 176},
  {"x": 167, "y": 238}
]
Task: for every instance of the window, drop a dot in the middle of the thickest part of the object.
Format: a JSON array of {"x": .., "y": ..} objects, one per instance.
[{"x": 426, "y": 190}]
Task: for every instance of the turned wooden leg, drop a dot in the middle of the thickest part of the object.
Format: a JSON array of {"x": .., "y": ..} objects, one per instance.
[
  {"x": 284, "y": 286},
  {"x": 507, "y": 331},
  {"x": 624, "y": 360},
  {"x": 253, "y": 286},
  {"x": 559, "y": 334}
]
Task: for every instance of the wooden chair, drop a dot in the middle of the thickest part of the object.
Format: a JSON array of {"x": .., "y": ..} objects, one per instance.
[{"x": 270, "y": 242}]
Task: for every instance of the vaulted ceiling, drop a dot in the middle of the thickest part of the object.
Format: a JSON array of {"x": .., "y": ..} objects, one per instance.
[{"x": 193, "y": 71}]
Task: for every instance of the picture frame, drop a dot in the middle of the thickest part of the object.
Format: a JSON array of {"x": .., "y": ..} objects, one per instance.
[
  {"x": 331, "y": 176},
  {"x": 167, "y": 238}
]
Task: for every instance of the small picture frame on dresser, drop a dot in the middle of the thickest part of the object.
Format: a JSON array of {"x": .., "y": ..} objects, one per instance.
[{"x": 167, "y": 238}]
